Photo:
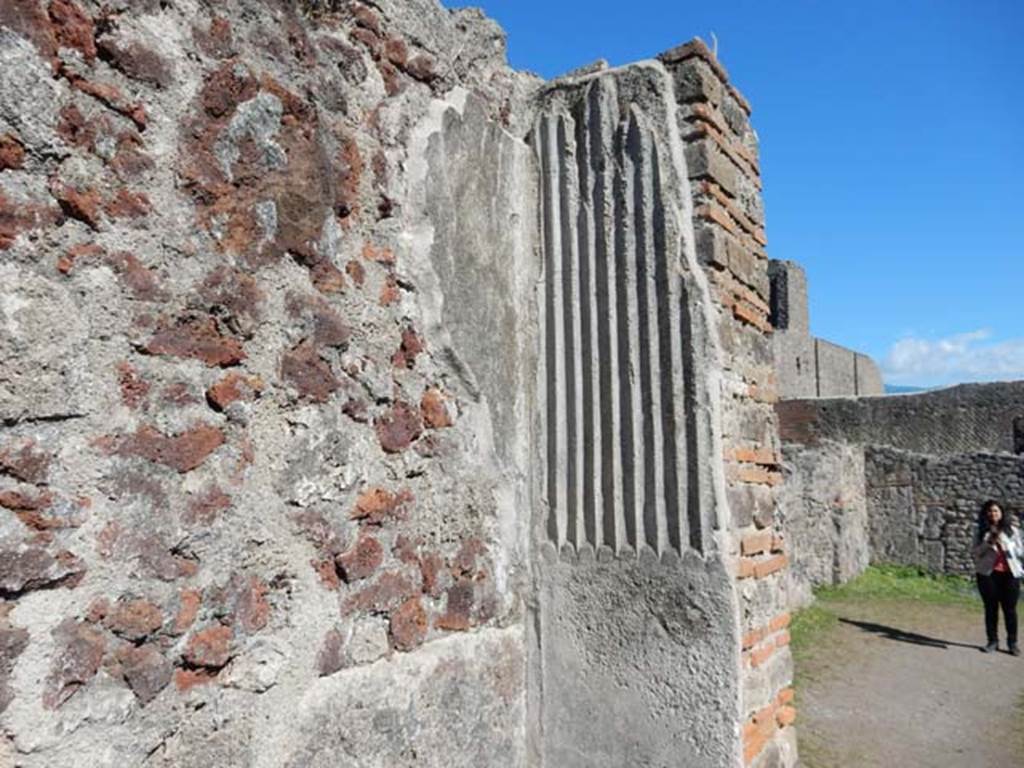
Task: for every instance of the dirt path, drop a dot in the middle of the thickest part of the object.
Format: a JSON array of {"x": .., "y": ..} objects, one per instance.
[{"x": 905, "y": 685}]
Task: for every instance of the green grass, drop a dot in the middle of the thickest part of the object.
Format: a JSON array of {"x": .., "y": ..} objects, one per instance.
[{"x": 901, "y": 582}]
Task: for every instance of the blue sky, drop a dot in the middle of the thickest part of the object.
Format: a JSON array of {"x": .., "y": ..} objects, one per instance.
[{"x": 892, "y": 148}]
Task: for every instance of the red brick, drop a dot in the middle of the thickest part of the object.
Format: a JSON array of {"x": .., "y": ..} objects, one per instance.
[
  {"x": 760, "y": 655},
  {"x": 187, "y": 679},
  {"x": 377, "y": 505},
  {"x": 767, "y": 567},
  {"x": 78, "y": 203},
  {"x": 785, "y": 716},
  {"x": 23, "y": 461},
  {"x": 756, "y": 543},
  {"x": 421, "y": 68},
  {"x": 380, "y": 255},
  {"x": 232, "y": 388},
  {"x": 410, "y": 348},
  {"x": 128, "y": 205},
  {"x": 779, "y": 622},
  {"x": 326, "y": 277},
  {"x": 217, "y": 41},
  {"x": 399, "y": 427},
  {"x": 386, "y": 593},
  {"x": 431, "y": 570},
  {"x": 12, "y": 153},
  {"x": 79, "y": 655},
  {"x": 251, "y": 607},
  {"x": 235, "y": 295},
  {"x": 396, "y": 51},
  {"x": 226, "y": 88},
  {"x": 764, "y": 456},
  {"x": 458, "y": 615},
  {"x": 210, "y": 647},
  {"x": 782, "y": 639},
  {"x": 183, "y": 452},
  {"x": 73, "y": 28},
  {"x": 188, "y": 608},
  {"x": 357, "y": 272},
  {"x": 435, "y": 410},
  {"x": 745, "y": 568},
  {"x": 312, "y": 377},
  {"x": 362, "y": 560},
  {"x": 139, "y": 279},
  {"x": 785, "y": 696},
  {"x": 752, "y": 638},
  {"x": 136, "y": 61},
  {"x": 389, "y": 293},
  {"x": 146, "y": 671},
  {"x": 76, "y": 253},
  {"x": 409, "y": 625},
  {"x": 134, "y": 619},
  {"x": 757, "y": 475},
  {"x": 134, "y": 388},
  {"x": 195, "y": 338}
]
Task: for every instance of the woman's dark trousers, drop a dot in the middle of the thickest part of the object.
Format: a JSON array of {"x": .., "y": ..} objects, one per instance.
[{"x": 1000, "y": 590}]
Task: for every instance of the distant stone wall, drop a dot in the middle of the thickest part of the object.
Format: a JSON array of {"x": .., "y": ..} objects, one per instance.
[
  {"x": 824, "y": 516},
  {"x": 896, "y": 479},
  {"x": 923, "y": 509},
  {"x": 962, "y": 419},
  {"x": 807, "y": 366}
]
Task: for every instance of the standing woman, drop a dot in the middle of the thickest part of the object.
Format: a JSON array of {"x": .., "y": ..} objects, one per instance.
[{"x": 998, "y": 551}]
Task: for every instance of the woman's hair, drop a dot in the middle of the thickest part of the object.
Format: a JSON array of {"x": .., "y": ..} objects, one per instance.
[{"x": 1005, "y": 522}]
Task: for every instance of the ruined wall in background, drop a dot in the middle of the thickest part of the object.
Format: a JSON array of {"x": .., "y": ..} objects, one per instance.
[
  {"x": 807, "y": 366},
  {"x": 924, "y": 509},
  {"x": 728, "y": 221},
  {"x": 263, "y": 395},
  {"x": 824, "y": 515},
  {"x": 897, "y": 479},
  {"x": 961, "y": 419}
]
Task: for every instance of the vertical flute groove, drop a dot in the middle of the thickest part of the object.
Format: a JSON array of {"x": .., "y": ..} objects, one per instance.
[
  {"x": 571, "y": 320},
  {"x": 671, "y": 352},
  {"x": 592, "y": 466},
  {"x": 555, "y": 334}
]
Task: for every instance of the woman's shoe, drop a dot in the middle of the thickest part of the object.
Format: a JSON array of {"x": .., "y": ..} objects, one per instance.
[
  {"x": 992, "y": 646},
  {"x": 1015, "y": 650}
]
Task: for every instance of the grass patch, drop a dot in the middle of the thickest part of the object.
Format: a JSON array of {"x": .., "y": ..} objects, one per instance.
[
  {"x": 808, "y": 625},
  {"x": 901, "y": 582}
]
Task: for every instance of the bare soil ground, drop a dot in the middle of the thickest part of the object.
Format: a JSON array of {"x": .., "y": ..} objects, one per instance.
[{"x": 899, "y": 684}]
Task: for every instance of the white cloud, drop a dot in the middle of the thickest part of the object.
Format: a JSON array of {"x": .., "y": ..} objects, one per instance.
[{"x": 969, "y": 356}]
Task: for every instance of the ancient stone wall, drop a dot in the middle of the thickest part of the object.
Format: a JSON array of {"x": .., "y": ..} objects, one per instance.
[
  {"x": 962, "y": 419},
  {"x": 263, "y": 402},
  {"x": 924, "y": 509},
  {"x": 825, "y": 516},
  {"x": 807, "y": 366}
]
